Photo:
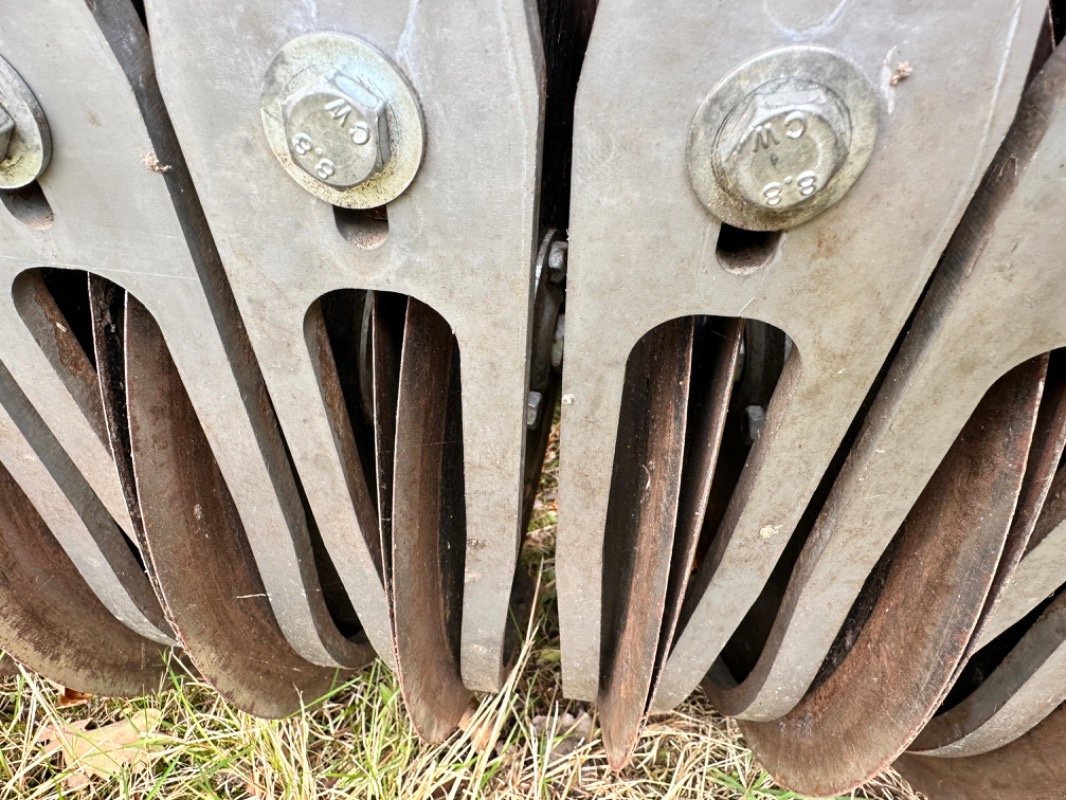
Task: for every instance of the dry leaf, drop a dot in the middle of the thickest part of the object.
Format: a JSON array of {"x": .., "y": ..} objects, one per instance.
[
  {"x": 103, "y": 751},
  {"x": 69, "y": 698}
]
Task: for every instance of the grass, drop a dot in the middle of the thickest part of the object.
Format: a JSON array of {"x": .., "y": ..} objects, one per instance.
[{"x": 525, "y": 742}]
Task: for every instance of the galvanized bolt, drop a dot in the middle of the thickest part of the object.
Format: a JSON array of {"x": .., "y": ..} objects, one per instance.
[
  {"x": 25, "y": 139},
  {"x": 782, "y": 138},
  {"x": 782, "y": 144},
  {"x": 342, "y": 119},
  {"x": 7, "y": 132},
  {"x": 338, "y": 131}
]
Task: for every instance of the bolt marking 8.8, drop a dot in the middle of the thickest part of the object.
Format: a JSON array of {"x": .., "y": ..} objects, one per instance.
[
  {"x": 342, "y": 120},
  {"x": 782, "y": 138}
]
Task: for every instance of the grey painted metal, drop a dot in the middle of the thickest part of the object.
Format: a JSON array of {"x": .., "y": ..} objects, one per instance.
[
  {"x": 782, "y": 138},
  {"x": 460, "y": 239},
  {"x": 342, "y": 119},
  {"x": 25, "y": 139},
  {"x": 141, "y": 228},
  {"x": 1003, "y": 272},
  {"x": 840, "y": 286}
]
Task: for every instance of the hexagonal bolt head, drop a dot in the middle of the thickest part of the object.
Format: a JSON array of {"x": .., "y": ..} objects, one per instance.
[
  {"x": 782, "y": 144},
  {"x": 7, "y": 132},
  {"x": 337, "y": 131}
]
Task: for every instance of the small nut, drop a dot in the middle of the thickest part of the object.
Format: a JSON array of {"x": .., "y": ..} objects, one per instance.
[
  {"x": 337, "y": 131},
  {"x": 533, "y": 404},
  {"x": 557, "y": 261},
  {"x": 782, "y": 144},
  {"x": 7, "y": 132}
]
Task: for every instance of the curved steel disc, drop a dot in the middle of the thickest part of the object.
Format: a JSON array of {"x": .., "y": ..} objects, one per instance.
[
  {"x": 52, "y": 622},
  {"x": 386, "y": 341},
  {"x": 196, "y": 542},
  {"x": 427, "y": 543},
  {"x": 1030, "y": 768},
  {"x": 1024, "y": 687},
  {"x": 641, "y": 523},
  {"x": 705, "y": 434},
  {"x": 70, "y": 508},
  {"x": 893, "y": 677},
  {"x": 107, "y": 308},
  {"x": 1031, "y": 523},
  {"x": 1028, "y": 685},
  {"x": 340, "y": 423},
  {"x": 1041, "y": 570}
]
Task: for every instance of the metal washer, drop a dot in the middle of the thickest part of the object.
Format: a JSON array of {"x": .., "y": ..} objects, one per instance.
[
  {"x": 30, "y": 150},
  {"x": 815, "y": 64},
  {"x": 308, "y": 58}
]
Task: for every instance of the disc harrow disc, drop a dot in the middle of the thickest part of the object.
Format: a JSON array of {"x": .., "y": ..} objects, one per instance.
[
  {"x": 427, "y": 526},
  {"x": 53, "y": 623},
  {"x": 199, "y": 553},
  {"x": 924, "y": 604}
]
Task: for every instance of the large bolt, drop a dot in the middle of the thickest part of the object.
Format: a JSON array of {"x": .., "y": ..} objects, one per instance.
[
  {"x": 782, "y": 144},
  {"x": 782, "y": 138},
  {"x": 338, "y": 131},
  {"x": 25, "y": 140},
  {"x": 342, "y": 119},
  {"x": 7, "y": 132}
]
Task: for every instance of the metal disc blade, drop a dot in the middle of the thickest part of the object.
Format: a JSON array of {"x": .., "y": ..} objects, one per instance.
[
  {"x": 52, "y": 622},
  {"x": 107, "y": 307},
  {"x": 641, "y": 524},
  {"x": 343, "y": 434},
  {"x": 424, "y": 597},
  {"x": 1026, "y": 686},
  {"x": 387, "y": 315},
  {"x": 1030, "y": 768},
  {"x": 96, "y": 545},
  {"x": 876, "y": 700},
  {"x": 1040, "y": 570},
  {"x": 705, "y": 432},
  {"x": 204, "y": 566},
  {"x": 1049, "y": 441}
]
